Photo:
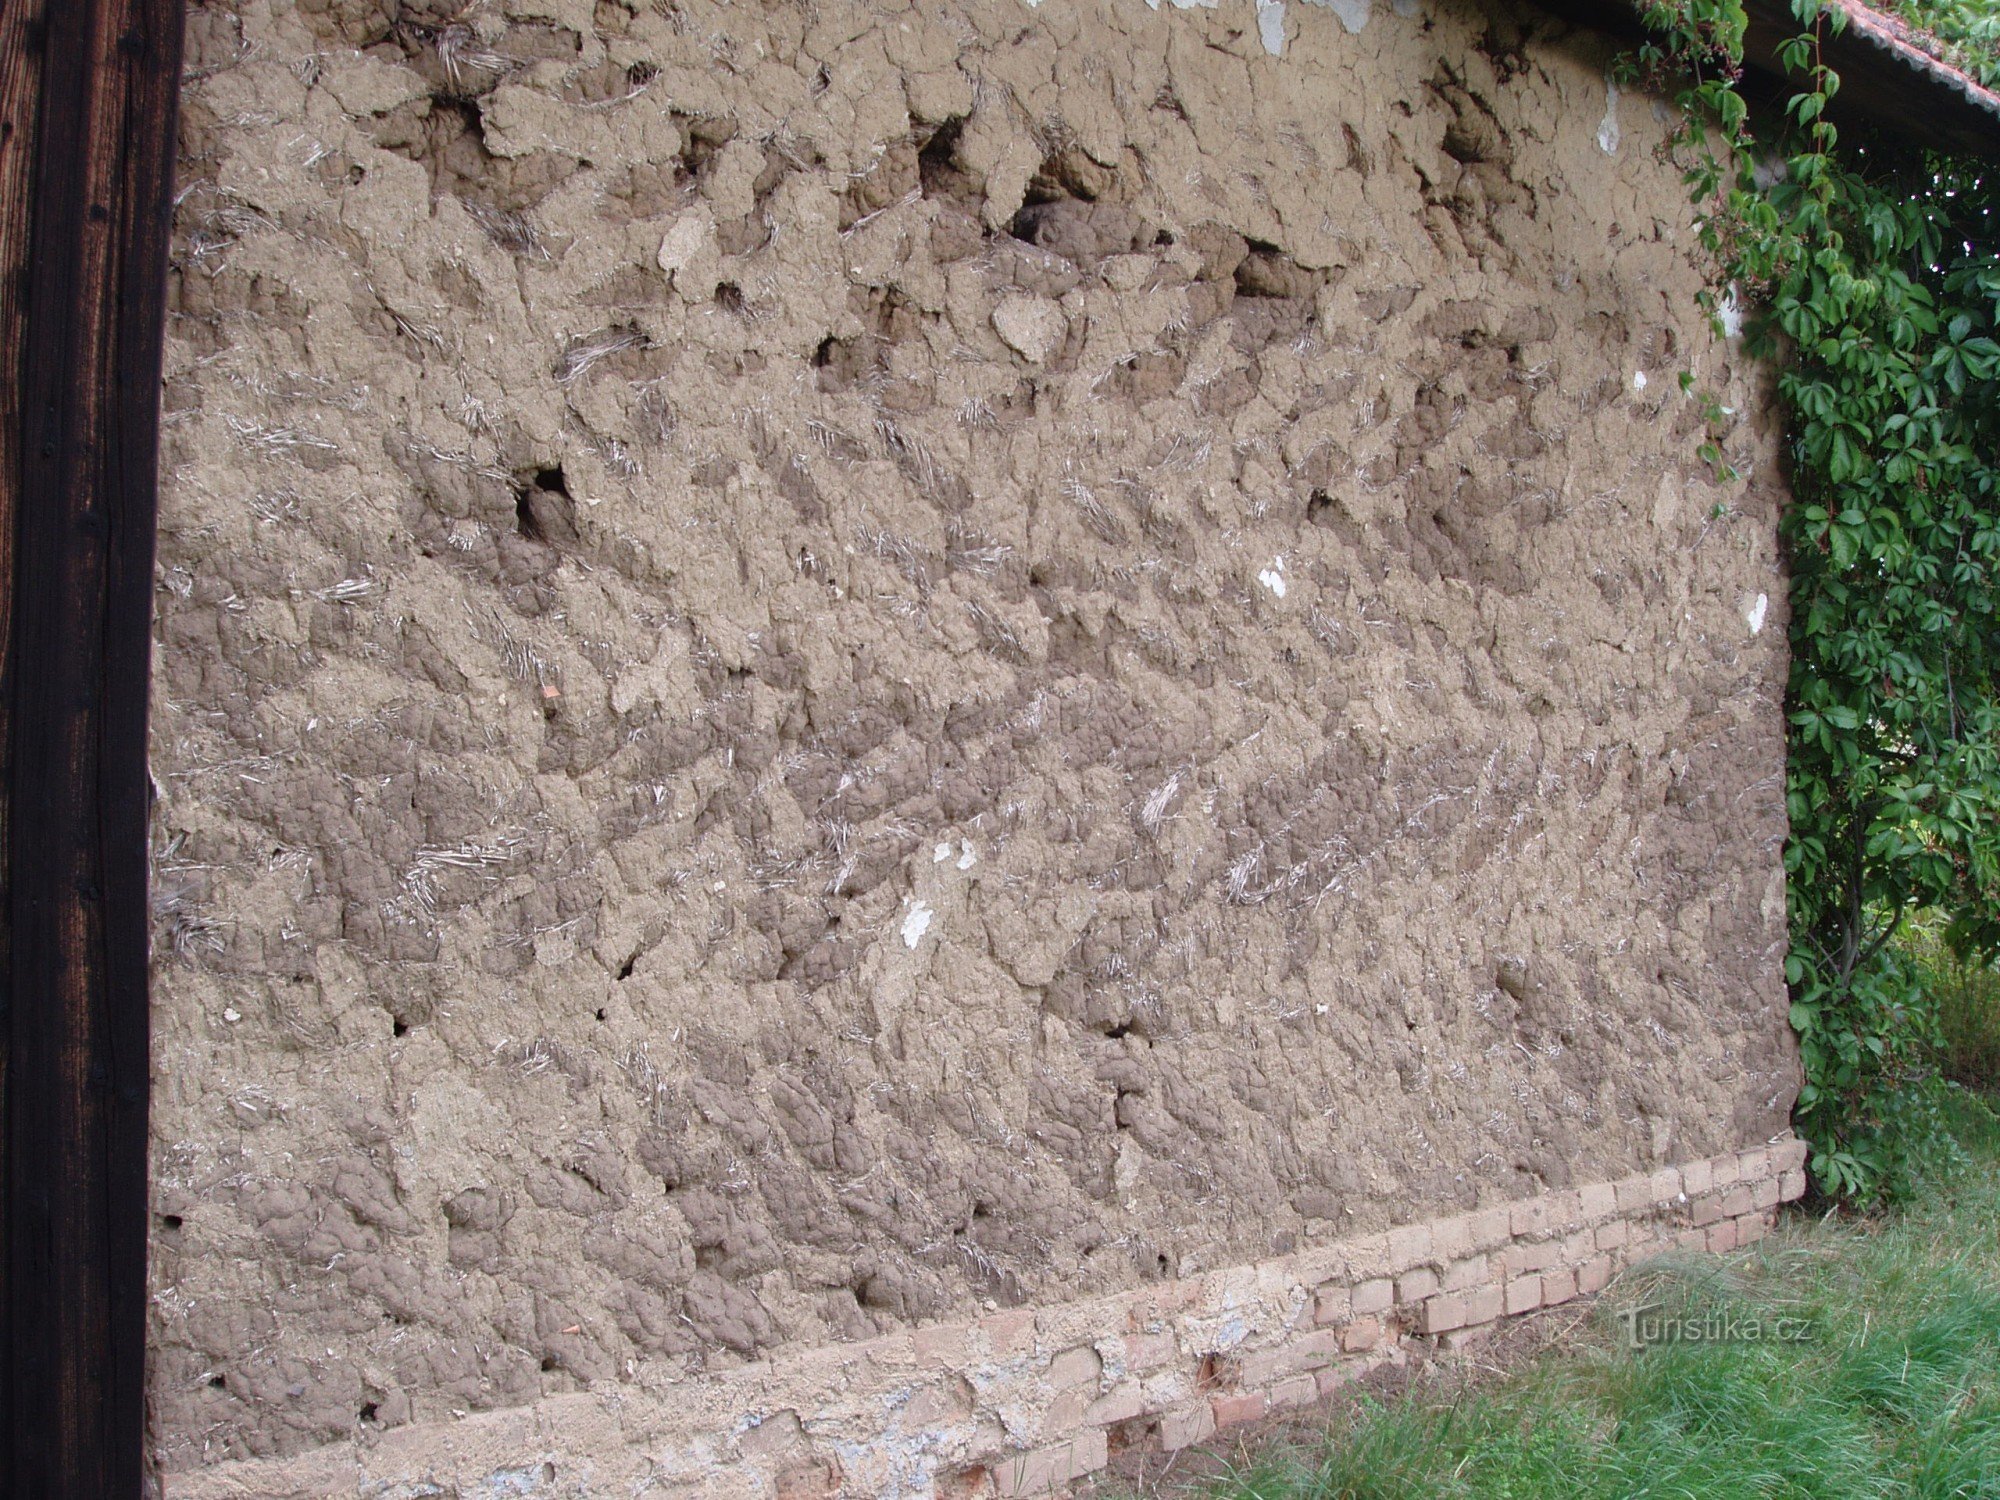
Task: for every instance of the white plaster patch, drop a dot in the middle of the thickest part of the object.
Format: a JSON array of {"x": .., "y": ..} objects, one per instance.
[
  {"x": 1754, "y": 615},
  {"x": 1729, "y": 313},
  {"x": 1271, "y": 26},
  {"x": 966, "y": 858},
  {"x": 1353, "y": 13},
  {"x": 1273, "y": 577},
  {"x": 1638, "y": 380},
  {"x": 1608, "y": 133},
  {"x": 916, "y": 923},
  {"x": 941, "y": 853}
]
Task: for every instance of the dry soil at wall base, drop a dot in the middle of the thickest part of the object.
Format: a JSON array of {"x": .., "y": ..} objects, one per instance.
[{"x": 823, "y": 668}]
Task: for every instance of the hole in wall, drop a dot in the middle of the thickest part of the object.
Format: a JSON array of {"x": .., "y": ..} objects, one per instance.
[{"x": 938, "y": 169}]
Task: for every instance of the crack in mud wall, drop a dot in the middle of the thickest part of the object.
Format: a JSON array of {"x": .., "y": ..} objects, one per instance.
[{"x": 822, "y": 667}]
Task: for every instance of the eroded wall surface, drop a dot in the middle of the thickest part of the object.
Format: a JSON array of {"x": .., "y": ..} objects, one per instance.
[{"x": 826, "y": 667}]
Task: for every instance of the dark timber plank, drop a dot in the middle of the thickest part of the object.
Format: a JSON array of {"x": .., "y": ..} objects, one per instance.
[
  {"x": 20, "y": 92},
  {"x": 82, "y": 316}
]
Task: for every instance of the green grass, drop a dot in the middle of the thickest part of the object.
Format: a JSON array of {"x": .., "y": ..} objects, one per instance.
[
  {"x": 1968, "y": 1002},
  {"x": 1896, "y": 1394}
]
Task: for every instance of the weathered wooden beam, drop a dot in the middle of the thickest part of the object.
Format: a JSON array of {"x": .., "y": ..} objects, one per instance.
[{"x": 88, "y": 97}]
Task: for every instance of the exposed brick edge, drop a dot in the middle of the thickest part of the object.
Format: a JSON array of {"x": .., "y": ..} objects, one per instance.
[{"x": 1024, "y": 1402}]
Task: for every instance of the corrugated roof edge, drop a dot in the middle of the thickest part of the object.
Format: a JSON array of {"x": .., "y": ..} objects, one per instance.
[
  {"x": 1899, "y": 41},
  {"x": 1887, "y": 77}
]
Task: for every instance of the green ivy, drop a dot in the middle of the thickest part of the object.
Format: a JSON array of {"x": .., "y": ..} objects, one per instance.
[{"x": 1870, "y": 272}]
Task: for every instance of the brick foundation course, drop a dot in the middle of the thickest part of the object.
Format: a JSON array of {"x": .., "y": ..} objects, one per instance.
[{"x": 1028, "y": 1401}]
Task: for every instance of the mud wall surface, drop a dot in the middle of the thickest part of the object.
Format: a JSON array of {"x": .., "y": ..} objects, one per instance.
[{"x": 829, "y": 667}]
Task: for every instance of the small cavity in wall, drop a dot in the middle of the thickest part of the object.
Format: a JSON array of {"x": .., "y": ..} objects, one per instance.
[{"x": 1028, "y": 1401}]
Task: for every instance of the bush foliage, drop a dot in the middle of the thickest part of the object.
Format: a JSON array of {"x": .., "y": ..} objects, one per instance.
[{"x": 1870, "y": 270}]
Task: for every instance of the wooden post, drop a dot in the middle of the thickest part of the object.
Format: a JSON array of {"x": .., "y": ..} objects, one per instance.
[{"x": 88, "y": 96}]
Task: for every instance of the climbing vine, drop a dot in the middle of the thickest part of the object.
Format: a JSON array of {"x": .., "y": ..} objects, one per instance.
[{"x": 1869, "y": 272}]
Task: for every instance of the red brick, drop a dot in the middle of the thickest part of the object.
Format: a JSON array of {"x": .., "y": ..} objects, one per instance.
[
  {"x": 1634, "y": 1195},
  {"x": 1664, "y": 1185},
  {"x": 1483, "y": 1304},
  {"x": 1558, "y": 1287},
  {"x": 809, "y": 1479},
  {"x": 1009, "y": 1333},
  {"x": 1697, "y": 1177},
  {"x": 1751, "y": 1228},
  {"x": 1060, "y": 1417},
  {"x": 1299, "y": 1390},
  {"x": 1530, "y": 1216},
  {"x": 1471, "y": 1272},
  {"x": 1334, "y": 1304},
  {"x": 970, "y": 1483},
  {"x": 1737, "y": 1201},
  {"x": 1725, "y": 1170},
  {"x": 1121, "y": 1405},
  {"x": 943, "y": 1345},
  {"x": 1148, "y": 1351},
  {"x": 1451, "y": 1239},
  {"x": 1373, "y": 1297},
  {"x": 1313, "y": 1350},
  {"x": 1565, "y": 1211},
  {"x": 1368, "y": 1257},
  {"x": 1232, "y": 1410},
  {"x": 1593, "y": 1276},
  {"x": 1361, "y": 1335},
  {"x": 1754, "y": 1164},
  {"x": 1443, "y": 1313},
  {"x": 1579, "y": 1247},
  {"x": 1078, "y": 1366},
  {"x": 1409, "y": 1246},
  {"x": 1414, "y": 1286},
  {"x": 1532, "y": 1255},
  {"x": 1305, "y": 1353},
  {"x": 1523, "y": 1295},
  {"x": 1695, "y": 1240},
  {"x": 1047, "y": 1468},
  {"x": 1788, "y": 1155},
  {"x": 1764, "y": 1194},
  {"x": 1194, "y": 1425},
  {"x": 1492, "y": 1228},
  {"x": 1722, "y": 1236},
  {"x": 1461, "y": 1339},
  {"x": 1611, "y": 1236},
  {"x": 1599, "y": 1202},
  {"x": 1333, "y": 1377},
  {"x": 1791, "y": 1186}
]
